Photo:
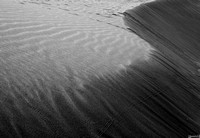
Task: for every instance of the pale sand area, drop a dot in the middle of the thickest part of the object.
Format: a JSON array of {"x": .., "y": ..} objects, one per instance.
[{"x": 91, "y": 40}]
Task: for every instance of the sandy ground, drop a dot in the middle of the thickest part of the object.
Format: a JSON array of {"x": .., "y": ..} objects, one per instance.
[
  {"x": 132, "y": 91},
  {"x": 87, "y": 36}
]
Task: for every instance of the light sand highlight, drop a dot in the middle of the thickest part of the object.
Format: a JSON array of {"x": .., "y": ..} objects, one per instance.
[{"x": 87, "y": 43}]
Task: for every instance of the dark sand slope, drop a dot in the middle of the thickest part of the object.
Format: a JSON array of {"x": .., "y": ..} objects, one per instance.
[
  {"x": 172, "y": 27},
  {"x": 42, "y": 96}
]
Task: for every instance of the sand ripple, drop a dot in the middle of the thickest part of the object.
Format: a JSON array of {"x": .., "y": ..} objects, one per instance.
[{"x": 55, "y": 36}]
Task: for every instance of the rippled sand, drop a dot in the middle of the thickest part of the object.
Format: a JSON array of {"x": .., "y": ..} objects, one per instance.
[
  {"x": 34, "y": 33},
  {"x": 74, "y": 69}
]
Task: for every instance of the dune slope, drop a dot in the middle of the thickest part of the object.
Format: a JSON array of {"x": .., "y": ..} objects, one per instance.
[{"x": 70, "y": 71}]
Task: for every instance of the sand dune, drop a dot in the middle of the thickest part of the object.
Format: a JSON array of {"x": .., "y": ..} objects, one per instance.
[
  {"x": 74, "y": 69},
  {"x": 172, "y": 28},
  {"x": 42, "y": 47},
  {"x": 46, "y": 52},
  {"x": 78, "y": 41}
]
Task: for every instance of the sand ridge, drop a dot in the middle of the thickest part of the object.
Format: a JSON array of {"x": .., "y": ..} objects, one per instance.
[
  {"x": 99, "y": 10},
  {"x": 45, "y": 50}
]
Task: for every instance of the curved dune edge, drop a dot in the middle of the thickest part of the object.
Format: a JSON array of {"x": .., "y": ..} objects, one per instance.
[{"x": 40, "y": 97}]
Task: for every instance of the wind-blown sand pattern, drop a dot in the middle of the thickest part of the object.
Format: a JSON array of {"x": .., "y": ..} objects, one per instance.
[
  {"x": 77, "y": 41},
  {"x": 74, "y": 69}
]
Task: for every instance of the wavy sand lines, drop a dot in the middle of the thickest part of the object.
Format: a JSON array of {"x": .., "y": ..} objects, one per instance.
[{"x": 85, "y": 45}]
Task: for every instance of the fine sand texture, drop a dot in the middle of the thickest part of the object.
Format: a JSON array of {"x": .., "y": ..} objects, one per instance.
[{"x": 94, "y": 69}]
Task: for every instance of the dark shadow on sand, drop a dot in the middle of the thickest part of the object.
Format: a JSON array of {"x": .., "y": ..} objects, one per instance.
[{"x": 155, "y": 98}]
